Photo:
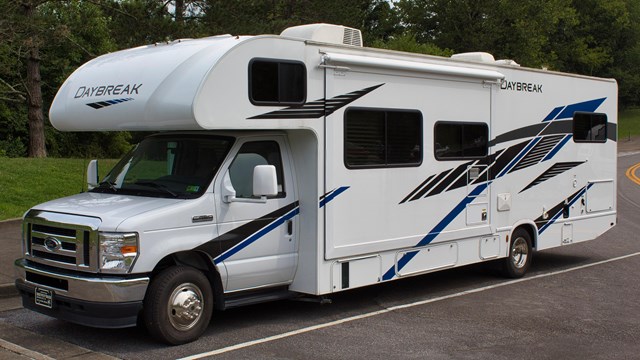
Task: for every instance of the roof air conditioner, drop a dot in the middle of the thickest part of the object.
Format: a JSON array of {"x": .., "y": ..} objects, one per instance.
[{"x": 327, "y": 33}]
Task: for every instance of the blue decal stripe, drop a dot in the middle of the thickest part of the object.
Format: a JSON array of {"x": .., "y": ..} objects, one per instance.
[
  {"x": 557, "y": 148},
  {"x": 587, "y": 106},
  {"x": 522, "y": 153},
  {"x": 251, "y": 239},
  {"x": 553, "y": 113},
  {"x": 404, "y": 260},
  {"x": 273, "y": 225},
  {"x": 551, "y": 221},
  {"x": 331, "y": 195}
]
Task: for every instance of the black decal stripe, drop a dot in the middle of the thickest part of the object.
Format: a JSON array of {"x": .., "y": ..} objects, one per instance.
[
  {"x": 317, "y": 108},
  {"x": 451, "y": 178},
  {"x": 505, "y": 157},
  {"x": 430, "y": 185},
  {"x": 541, "y": 221},
  {"x": 305, "y": 115},
  {"x": 521, "y": 133},
  {"x": 538, "y": 152},
  {"x": 416, "y": 189},
  {"x": 430, "y": 182},
  {"x": 554, "y": 170},
  {"x": 559, "y": 127},
  {"x": 327, "y": 194},
  {"x": 488, "y": 160},
  {"x": 233, "y": 237},
  {"x": 102, "y": 104}
]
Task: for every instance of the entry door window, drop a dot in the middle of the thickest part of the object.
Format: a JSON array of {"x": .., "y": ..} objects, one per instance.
[{"x": 252, "y": 154}]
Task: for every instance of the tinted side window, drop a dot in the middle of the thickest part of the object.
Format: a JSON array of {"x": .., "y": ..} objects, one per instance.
[
  {"x": 455, "y": 141},
  {"x": 250, "y": 155},
  {"x": 382, "y": 138},
  {"x": 277, "y": 82},
  {"x": 589, "y": 127}
]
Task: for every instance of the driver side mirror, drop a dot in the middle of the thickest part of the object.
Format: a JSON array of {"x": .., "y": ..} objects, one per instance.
[{"x": 264, "y": 183}]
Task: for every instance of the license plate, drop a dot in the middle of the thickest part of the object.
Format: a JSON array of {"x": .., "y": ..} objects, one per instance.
[{"x": 44, "y": 297}]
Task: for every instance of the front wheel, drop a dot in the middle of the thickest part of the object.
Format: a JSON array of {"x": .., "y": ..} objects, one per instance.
[
  {"x": 520, "y": 252},
  {"x": 178, "y": 305}
]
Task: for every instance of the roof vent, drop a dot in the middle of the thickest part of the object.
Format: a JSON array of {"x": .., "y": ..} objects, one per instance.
[
  {"x": 327, "y": 33},
  {"x": 482, "y": 57}
]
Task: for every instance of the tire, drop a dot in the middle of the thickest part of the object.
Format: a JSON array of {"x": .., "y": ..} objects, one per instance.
[
  {"x": 178, "y": 305},
  {"x": 520, "y": 253}
]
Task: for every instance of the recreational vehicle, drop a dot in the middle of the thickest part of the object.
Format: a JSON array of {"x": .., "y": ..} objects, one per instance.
[{"x": 304, "y": 164}]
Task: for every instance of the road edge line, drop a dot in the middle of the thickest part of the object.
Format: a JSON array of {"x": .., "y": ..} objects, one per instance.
[{"x": 630, "y": 173}]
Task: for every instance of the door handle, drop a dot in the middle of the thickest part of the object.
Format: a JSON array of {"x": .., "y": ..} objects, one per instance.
[{"x": 289, "y": 227}]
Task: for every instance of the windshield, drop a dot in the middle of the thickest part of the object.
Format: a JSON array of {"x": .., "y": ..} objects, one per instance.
[{"x": 175, "y": 166}]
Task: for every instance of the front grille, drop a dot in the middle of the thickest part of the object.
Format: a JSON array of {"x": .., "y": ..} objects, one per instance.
[{"x": 71, "y": 244}]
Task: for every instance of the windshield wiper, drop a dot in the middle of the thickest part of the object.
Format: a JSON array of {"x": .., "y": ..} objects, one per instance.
[
  {"x": 109, "y": 184},
  {"x": 157, "y": 186}
]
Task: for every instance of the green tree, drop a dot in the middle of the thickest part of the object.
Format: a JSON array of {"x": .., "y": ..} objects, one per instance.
[
  {"x": 513, "y": 29},
  {"x": 45, "y": 42},
  {"x": 272, "y": 16},
  {"x": 591, "y": 37},
  {"x": 142, "y": 22},
  {"x": 408, "y": 43},
  {"x": 381, "y": 23},
  {"x": 605, "y": 42}
]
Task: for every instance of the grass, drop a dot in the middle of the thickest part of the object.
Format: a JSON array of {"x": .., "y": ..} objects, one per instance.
[
  {"x": 27, "y": 182},
  {"x": 628, "y": 123}
]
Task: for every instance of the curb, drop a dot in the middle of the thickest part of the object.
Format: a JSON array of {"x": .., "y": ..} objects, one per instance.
[
  {"x": 8, "y": 290},
  {"x": 10, "y": 220}
]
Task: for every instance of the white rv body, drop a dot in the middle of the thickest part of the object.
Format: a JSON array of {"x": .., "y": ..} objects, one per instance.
[{"x": 347, "y": 216}]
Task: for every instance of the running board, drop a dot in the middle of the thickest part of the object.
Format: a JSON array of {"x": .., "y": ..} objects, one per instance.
[{"x": 256, "y": 297}]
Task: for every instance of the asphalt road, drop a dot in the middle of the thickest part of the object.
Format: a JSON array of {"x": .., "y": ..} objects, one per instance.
[{"x": 577, "y": 302}]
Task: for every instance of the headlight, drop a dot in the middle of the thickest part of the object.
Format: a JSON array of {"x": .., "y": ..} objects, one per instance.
[{"x": 118, "y": 251}]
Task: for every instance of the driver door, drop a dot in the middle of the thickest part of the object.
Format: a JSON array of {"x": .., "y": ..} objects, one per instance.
[{"x": 259, "y": 245}]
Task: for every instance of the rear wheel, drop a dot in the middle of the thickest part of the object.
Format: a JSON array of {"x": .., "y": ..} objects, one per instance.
[
  {"x": 178, "y": 305},
  {"x": 520, "y": 252}
]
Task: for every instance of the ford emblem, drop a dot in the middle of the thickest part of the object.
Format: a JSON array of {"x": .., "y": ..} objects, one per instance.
[{"x": 52, "y": 244}]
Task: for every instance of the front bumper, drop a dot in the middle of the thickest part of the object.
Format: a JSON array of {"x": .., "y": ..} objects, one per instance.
[{"x": 86, "y": 299}]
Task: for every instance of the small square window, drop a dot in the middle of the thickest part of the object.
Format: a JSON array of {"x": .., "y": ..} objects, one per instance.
[
  {"x": 589, "y": 127},
  {"x": 277, "y": 82},
  {"x": 460, "y": 140}
]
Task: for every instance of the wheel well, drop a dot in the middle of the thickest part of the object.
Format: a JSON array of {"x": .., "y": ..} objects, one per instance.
[
  {"x": 533, "y": 234},
  {"x": 200, "y": 261}
]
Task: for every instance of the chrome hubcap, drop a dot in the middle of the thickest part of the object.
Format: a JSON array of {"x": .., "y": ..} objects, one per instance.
[
  {"x": 185, "y": 306},
  {"x": 519, "y": 252}
]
